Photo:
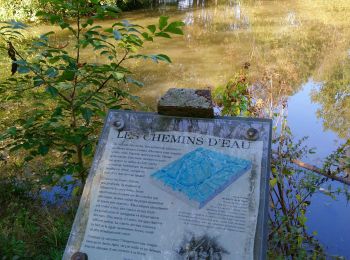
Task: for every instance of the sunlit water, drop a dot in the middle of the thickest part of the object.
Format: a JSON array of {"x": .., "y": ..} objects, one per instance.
[
  {"x": 297, "y": 48},
  {"x": 298, "y": 42}
]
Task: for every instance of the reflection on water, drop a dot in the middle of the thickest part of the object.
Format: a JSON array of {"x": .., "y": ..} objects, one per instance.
[
  {"x": 334, "y": 100},
  {"x": 183, "y": 5},
  {"x": 326, "y": 216},
  {"x": 287, "y": 43},
  {"x": 291, "y": 19}
]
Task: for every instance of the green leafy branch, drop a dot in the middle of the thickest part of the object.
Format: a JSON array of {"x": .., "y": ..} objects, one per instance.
[{"x": 75, "y": 92}]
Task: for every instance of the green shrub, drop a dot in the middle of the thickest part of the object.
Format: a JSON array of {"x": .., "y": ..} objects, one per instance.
[
  {"x": 234, "y": 97},
  {"x": 70, "y": 93}
]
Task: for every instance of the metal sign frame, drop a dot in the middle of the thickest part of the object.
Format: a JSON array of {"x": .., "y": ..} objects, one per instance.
[{"x": 223, "y": 127}]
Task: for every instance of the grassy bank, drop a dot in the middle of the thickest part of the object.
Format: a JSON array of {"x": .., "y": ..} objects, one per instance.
[{"x": 28, "y": 229}]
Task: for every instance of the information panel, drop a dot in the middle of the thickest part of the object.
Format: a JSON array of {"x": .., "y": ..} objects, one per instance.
[{"x": 175, "y": 188}]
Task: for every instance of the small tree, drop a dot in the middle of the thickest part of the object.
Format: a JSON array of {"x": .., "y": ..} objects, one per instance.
[{"x": 71, "y": 93}]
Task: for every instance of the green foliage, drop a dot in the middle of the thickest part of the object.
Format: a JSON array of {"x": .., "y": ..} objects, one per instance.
[
  {"x": 19, "y": 9},
  {"x": 290, "y": 192},
  {"x": 25, "y": 10},
  {"x": 290, "y": 186},
  {"x": 72, "y": 94},
  {"x": 27, "y": 229},
  {"x": 128, "y": 5},
  {"x": 234, "y": 97}
]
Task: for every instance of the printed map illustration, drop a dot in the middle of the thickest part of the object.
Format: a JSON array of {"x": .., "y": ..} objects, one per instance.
[{"x": 200, "y": 175}]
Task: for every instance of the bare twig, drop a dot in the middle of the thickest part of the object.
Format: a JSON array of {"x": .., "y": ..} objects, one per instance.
[{"x": 317, "y": 170}]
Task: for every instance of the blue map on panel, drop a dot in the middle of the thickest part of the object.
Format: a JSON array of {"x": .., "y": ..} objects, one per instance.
[{"x": 200, "y": 175}]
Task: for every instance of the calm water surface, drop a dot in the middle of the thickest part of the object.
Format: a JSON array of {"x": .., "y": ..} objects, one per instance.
[
  {"x": 296, "y": 48},
  {"x": 299, "y": 47}
]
